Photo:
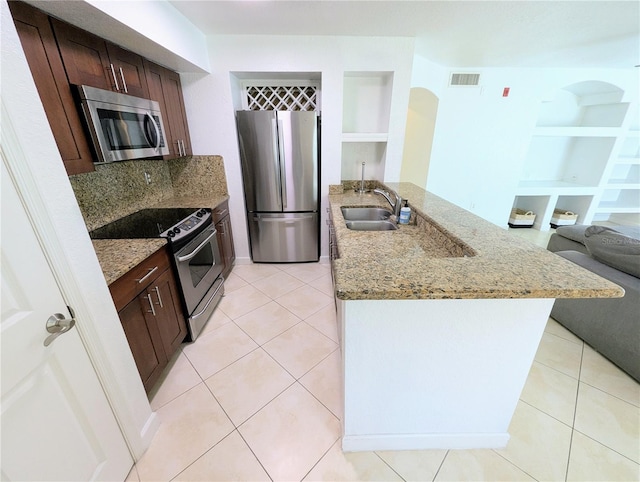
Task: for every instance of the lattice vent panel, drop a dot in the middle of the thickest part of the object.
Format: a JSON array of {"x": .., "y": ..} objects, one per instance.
[{"x": 281, "y": 98}]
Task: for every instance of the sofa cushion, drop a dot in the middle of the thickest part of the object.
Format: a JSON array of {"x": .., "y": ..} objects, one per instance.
[
  {"x": 613, "y": 249},
  {"x": 574, "y": 232}
]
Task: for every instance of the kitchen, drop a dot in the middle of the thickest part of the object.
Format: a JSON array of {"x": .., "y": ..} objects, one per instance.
[{"x": 219, "y": 135}]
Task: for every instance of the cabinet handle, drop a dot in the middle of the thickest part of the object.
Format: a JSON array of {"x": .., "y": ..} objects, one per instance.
[
  {"x": 157, "y": 290},
  {"x": 124, "y": 83},
  {"x": 151, "y": 305},
  {"x": 179, "y": 148},
  {"x": 184, "y": 149},
  {"x": 141, "y": 280},
  {"x": 115, "y": 80}
]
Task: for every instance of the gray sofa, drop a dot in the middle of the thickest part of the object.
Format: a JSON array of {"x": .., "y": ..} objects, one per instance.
[{"x": 610, "y": 325}]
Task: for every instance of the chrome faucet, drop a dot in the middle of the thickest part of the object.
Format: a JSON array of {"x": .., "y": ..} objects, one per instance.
[{"x": 395, "y": 206}]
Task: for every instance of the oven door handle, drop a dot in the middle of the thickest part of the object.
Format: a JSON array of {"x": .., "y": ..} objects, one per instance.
[
  {"x": 187, "y": 257},
  {"x": 198, "y": 315}
]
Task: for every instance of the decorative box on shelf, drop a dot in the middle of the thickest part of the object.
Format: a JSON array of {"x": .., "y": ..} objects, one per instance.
[
  {"x": 520, "y": 218},
  {"x": 563, "y": 218}
]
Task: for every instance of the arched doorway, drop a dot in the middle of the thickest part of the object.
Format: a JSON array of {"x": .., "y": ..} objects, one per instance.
[{"x": 421, "y": 120}]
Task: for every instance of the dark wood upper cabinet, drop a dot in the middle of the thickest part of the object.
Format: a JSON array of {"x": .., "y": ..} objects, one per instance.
[
  {"x": 90, "y": 60},
  {"x": 165, "y": 88},
  {"x": 45, "y": 63},
  {"x": 129, "y": 69},
  {"x": 61, "y": 55}
]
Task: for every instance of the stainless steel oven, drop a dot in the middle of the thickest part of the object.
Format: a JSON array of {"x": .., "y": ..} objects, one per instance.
[
  {"x": 197, "y": 261},
  {"x": 199, "y": 266}
]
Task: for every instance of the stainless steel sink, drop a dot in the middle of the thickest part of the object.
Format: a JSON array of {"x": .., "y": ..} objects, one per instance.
[
  {"x": 365, "y": 214},
  {"x": 381, "y": 225}
]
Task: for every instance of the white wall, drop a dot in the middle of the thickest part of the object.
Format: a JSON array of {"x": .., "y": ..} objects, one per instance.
[
  {"x": 210, "y": 102},
  {"x": 69, "y": 248},
  {"x": 481, "y": 137}
]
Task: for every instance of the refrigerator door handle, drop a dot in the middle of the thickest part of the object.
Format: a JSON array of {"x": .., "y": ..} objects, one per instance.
[
  {"x": 283, "y": 167},
  {"x": 276, "y": 157}
]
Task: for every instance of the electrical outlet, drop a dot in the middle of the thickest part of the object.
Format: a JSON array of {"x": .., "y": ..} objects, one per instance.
[{"x": 147, "y": 177}]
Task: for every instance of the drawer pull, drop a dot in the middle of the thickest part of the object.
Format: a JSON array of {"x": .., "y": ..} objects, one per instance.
[{"x": 142, "y": 280}]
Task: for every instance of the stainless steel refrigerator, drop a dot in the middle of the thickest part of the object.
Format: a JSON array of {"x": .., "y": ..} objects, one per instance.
[{"x": 280, "y": 172}]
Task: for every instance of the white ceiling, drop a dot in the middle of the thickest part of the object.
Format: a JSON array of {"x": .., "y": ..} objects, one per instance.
[{"x": 509, "y": 33}]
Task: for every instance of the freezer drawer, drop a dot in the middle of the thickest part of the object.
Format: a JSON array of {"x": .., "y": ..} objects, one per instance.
[{"x": 283, "y": 238}]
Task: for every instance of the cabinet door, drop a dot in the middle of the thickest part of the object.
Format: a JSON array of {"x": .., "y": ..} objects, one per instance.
[
  {"x": 43, "y": 57},
  {"x": 164, "y": 87},
  {"x": 168, "y": 312},
  {"x": 85, "y": 56},
  {"x": 144, "y": 340},
  {"x": 226, "y": 243},
  {"x": 175, "y": 105},
  {"x": 129, "y": 71},
  {"x": 154, "y": 74}
]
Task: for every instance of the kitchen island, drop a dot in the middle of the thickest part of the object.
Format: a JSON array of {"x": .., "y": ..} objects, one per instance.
[{"x": 439, "y": 323}]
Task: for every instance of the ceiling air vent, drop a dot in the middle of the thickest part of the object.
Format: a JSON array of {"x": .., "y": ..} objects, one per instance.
[{"x": 464, "y": 79}]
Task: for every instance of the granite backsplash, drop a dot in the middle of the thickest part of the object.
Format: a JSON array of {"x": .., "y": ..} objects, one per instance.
[{"x": 117, "y": 189}]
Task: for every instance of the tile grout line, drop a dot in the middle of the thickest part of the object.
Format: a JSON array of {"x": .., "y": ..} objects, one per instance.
[
  {"x": 320, "y": 459},
  {"x": 440, "y": 466},
  {"x": 575, "y": 413},
  {"x": 389, "y": 465},
  {"x": 254, "y": 454}
]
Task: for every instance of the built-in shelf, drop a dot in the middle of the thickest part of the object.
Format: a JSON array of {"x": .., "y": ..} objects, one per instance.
[
  {"x": 584, "y": 156},
  {"x": 538, "y": 188},
  {"x": 365, "y": 123},
  {"x": 365, "y": 137},
  {"x": 578, "y": 131}
]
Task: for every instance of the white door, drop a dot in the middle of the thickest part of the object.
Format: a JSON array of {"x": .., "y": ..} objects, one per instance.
[{"x": 56, "y": 422}]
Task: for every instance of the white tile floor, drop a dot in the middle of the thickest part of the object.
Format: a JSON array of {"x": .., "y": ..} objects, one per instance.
[{"x": 256, "y": 397}]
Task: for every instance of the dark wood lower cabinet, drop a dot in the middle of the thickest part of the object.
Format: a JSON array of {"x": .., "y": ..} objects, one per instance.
[
  {"x": 224, "y": 237},
  {"x": 141, "y": 334},
  {"x": 152, "y": 319}
]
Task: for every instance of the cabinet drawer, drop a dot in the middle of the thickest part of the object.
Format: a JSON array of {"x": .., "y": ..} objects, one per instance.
[
  {"x": 125, "y": 288},
  {"x": 220, "y": 211}
]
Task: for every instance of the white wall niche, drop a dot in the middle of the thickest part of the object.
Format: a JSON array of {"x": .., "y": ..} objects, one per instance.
[
  {"x": 567, "y": 159},
  {"x": 579, "y": 205},
  {"x": 371, "y": 153},
  {"x": 366, "y": 102},
  {"x": 536, "y": 204}
]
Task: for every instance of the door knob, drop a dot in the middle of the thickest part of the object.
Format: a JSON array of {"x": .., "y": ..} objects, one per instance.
[{"x": 57, "y": 324}]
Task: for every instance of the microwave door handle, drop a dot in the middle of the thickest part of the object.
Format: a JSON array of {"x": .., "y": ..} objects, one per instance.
[
  {"x": 187, "y": 257},
  {"x": 155, "y": 128}
]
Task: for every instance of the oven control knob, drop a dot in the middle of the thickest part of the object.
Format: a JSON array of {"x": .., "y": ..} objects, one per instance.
[
  {"x": 176, "y": 230},
  {"x": 199, "y": 214},
  {"x": 171, "y": 234}
]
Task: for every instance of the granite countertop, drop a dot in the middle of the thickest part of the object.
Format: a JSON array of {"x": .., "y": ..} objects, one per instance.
[
  {"x": 118, "y": 256},
  {"x": 476, "y": 260}
]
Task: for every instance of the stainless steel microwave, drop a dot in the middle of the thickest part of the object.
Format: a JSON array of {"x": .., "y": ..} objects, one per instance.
[{"x": 122, "y": 126}]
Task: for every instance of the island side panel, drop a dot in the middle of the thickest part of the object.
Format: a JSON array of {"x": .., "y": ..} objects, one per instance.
[{"x": 446, "y": 374}]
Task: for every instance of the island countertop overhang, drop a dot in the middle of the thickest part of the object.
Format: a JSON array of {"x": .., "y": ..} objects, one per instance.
[{"x": 394, "y": 265}]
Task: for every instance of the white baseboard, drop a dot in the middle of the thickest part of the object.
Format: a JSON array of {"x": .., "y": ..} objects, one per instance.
[{"x": 361, "y": 443}]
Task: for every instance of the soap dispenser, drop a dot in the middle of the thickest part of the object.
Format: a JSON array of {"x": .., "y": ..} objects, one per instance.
[{"x": 405, "y": 213}]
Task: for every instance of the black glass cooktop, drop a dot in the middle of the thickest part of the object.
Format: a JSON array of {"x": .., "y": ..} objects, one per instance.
[{"x": 146, "y": 223}]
